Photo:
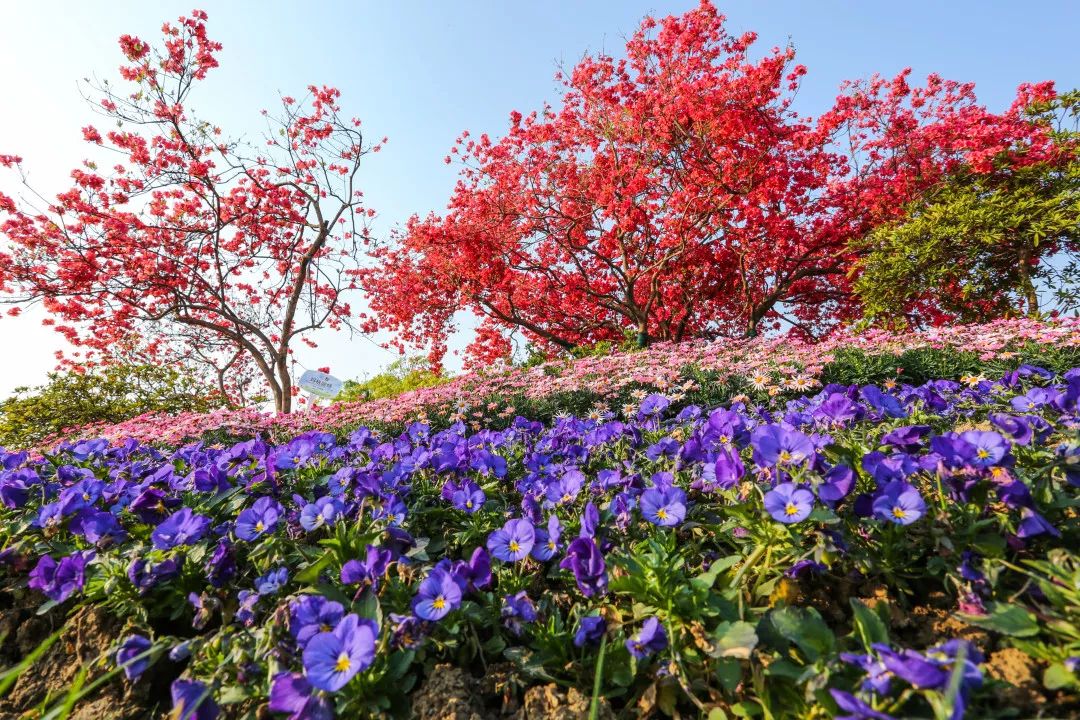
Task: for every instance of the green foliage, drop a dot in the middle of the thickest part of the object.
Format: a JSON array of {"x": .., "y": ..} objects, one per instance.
[
  {"x": 535, "y": 355},
  {"x": 853, "y": 366},
  {"x": 979, "y": 246},
  {"x": 109, "y": 394},
  {"x": 1054, "y": 634},
  {"x": 401, "y": 376}
]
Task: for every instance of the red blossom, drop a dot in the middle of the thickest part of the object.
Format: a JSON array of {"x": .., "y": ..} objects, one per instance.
[
  {"x": 191, "y": 252},
  {"x": 676, "y": 194}
]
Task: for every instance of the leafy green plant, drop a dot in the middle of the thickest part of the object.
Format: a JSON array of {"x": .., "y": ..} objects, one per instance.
[
  {"x": 401, "y": 376},
  {"x": 108, "y": 394}
]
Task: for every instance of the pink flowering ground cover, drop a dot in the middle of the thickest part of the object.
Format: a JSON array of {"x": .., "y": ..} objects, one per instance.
[{"x": 772, "y": 364}]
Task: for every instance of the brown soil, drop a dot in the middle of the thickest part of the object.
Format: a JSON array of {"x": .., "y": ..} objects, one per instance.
[
  {"x": 87, "y": 637},
  {"x": 501, "y": 687},
  {"x": 550, "y": 702},
  {"x": 927, "y": 626},
  {"x": 448, "y": 693},
  {"x": 1021, "y": 672},
  {"x": 21, "y": 629}
]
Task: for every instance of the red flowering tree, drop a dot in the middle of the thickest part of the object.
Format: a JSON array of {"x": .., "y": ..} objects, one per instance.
[
  {"x": 675, "y": 194},
  {"x": 184, "y": 246}
]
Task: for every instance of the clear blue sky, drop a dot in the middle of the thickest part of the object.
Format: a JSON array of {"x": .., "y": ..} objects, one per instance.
[{"x": 420, "y": 72}]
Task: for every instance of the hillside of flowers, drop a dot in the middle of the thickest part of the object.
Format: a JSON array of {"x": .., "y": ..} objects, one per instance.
[
  {"x": 856, "y": 550},
  {"x": 767, "y": 366}
]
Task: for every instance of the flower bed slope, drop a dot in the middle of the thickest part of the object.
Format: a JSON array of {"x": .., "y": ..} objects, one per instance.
[{"x": 863, "y": 552}]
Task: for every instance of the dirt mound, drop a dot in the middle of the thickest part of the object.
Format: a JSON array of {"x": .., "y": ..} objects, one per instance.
[
  {"x": 85, "y": 641},
  {"x": 1022, "y": 672},
  {"x": 550, "y": 702},
  {"x": 448, "y": 693}
]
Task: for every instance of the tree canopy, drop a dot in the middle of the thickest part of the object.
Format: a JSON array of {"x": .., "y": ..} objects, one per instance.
[
  {"x": 675, "y": 193},
  {"x": 188, "y": 247},
  {"x": 983, "y": 245}
]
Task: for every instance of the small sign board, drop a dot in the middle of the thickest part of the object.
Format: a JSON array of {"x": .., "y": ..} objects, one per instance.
[{"x": 320, "y": 384}]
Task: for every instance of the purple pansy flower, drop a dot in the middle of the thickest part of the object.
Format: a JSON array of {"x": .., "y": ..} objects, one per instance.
[
  {"x": 291, "y": 693},
  {"x": 517, "y": 610},
  {"x": 908, "y": 438},
  {"x": 899, "y": 503},
  {"x": 295, "y": 454},
  {"x": 272, "y": 581},
  {"x": 779, "y": 445},
  {"x": 1032, "y": 400},
  {"x": 323, "y": 511},
  {"x": 313, "y": 614},
  {"x": 151, "y": 505},
  {"x": 838, "y": 484},
  {"x": 857, "y": 709},
  {"x": 913, "y": 668},
  {"x": 728, "y": 469},
  {"x": 259, "y": 519},
  {"x": 332, "y": 659},
  {"x": 588, "y": 566},
  {"x": 652, "y": 638},
  {"x": 590, "y": 630},
  {"x": 590, "y": 520},
  {"x": 144, "y": 575},
  {"x": 128, "y": 656},
  {"x": 96, "y": 526},
  {"x": 60, "y": 580},
  {"x": 245, "y": 612},
  {"x": 221, "y": 567},
  {"x": 989, "y": 447},
  {"x": 547, "y": 541},
  {"x": 1032, "y": 524},
  {"x": 665, "y": 507},
  {"x": 192, "y": 700},
  {"x": 183, "y": 527},
  {"x": 789, "y": 503},
  {"x": 368, "y": 571},
  {"x": 437, "y": 596},
  {"x": 469, "y": 497},
  {"x": 653, "y": 405},
  {"x": 476, "y": 573},
  {"x": 513, "y": 541}
]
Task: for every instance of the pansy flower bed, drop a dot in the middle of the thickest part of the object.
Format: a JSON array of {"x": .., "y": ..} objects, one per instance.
[{"x": 862, "y": 552}]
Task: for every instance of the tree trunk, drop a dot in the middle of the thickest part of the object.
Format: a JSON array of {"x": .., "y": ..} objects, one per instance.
[
  {"x": 1027, "y": 287},
  {"x": 643, "y": 334},
  {"x": 283, "y": 401}
]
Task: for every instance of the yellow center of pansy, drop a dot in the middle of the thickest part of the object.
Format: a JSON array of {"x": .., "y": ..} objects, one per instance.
[{"x": 343, "y": 663}]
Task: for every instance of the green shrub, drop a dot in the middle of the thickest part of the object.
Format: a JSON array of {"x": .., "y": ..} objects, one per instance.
[
  {"x": 403, "y": 375},
  {"x": 109, "y": 394}
]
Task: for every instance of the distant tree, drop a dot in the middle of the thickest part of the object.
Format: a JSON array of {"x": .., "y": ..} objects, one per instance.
[
  {"x": 110, "y": 394},
  {"x": 983, "y": 245},
  {"x": 401, "y": 376},
  {"x": 675, "y": 194},
  {"x": 200, "y": 249}
]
